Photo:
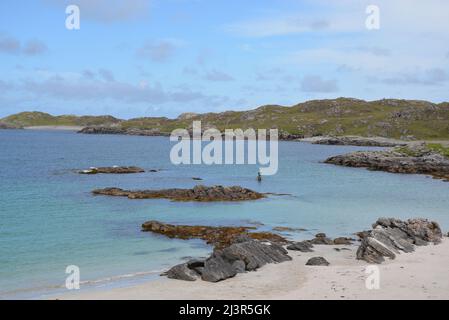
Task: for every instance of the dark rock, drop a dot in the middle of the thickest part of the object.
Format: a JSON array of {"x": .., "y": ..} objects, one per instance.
[
  {"x": 199, "y": 193},
  {"x": 239, "y": 266},
  {"x": 392, "y": 236},
  {"x": 322, "y": 239},
  {"x": 112, "y": 170},
  {"x": 241, "y": 257},
  {"x": 256, "y": 254},
  {"x": 317, "y": 261},
  {"x": 226, "y": 263},
  {"x": 304, "y": 246},
  {"x": 216, "y": 268},
  {"x": 196, "y": 265},
  {"x": 182, "y": 272}
]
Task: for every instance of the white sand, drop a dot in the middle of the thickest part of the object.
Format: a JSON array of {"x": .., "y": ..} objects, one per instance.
[
  {"x": 68, "y": 128},
  {"x": 423, "y": 274}
]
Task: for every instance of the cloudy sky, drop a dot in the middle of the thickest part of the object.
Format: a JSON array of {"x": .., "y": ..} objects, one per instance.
[{"x": 165, "y": 57}]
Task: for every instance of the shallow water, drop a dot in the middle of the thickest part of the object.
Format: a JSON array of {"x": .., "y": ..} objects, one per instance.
[{"x": 49, "y": 219}]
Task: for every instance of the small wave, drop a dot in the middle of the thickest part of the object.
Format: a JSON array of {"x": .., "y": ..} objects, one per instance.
[{"x": 50, "y": 289}]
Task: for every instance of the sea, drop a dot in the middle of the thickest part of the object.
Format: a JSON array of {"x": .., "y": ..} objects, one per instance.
[{"x": 50, "y": 220}]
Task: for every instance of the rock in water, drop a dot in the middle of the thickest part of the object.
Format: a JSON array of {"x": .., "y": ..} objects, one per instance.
[
  {"x": 112, "y": 170},
  {"x": 414, "y": 160},
  {"x": 220, "y": 237},
  {"x": 317, "y": 261},
  {"x": 199, "y": 193},
  {"x": 392, "y": 236}
]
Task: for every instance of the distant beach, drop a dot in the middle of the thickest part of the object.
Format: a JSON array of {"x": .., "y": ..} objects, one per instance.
[{"x": 68, "y": 128}]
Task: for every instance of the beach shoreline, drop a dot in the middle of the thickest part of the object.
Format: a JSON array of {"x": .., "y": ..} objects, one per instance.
[
  {"x": 61, "y": 128},
  {"x": 417, "y": 275}
]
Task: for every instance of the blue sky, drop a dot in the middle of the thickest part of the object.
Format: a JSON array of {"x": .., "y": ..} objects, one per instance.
[{"x": 164, "y": 57}]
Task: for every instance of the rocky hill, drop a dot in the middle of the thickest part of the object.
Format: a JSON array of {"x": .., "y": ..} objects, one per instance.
[
  {"x": 390, "y": 118},
  {"x": 35, "y": 119}
]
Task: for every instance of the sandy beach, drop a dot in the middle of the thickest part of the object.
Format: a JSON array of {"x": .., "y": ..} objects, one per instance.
[
  {"x": 68, "y": 128},
  {"x": 418, "y": 275}
]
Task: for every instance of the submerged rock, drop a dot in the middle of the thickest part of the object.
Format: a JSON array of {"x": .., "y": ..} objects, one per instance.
[
  {"x": 317, "y": 261},
  {"x": 112, "y": 170},
  {"x": 199, "y": 193},
  {"x": 392, "y": 236},
  {"x": 220, "y": 237},
  {"x": 288, "y": 229}
]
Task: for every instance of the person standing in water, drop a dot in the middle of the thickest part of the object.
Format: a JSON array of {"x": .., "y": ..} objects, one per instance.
[{"x": 259, "y": 177}]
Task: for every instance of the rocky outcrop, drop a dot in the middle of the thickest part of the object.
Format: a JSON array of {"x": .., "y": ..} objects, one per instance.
[
  {"x": 199, "y": 193},
  {"x": 413, "y": 159},
  {"x": 317, "y": 261},
  {"x": 4, "y": 125},
  {"x": 112, "y": 170},
  {"x": 220, "y": 237},
  {"x": 125, "y": 131},
  {"x": 242, "y": 256},
  {"x": 320, "y": 239},
  {"x": 392, "y": 236},
  {"x": 356, "y": 141},
  {"x": 303, "y": 246}
]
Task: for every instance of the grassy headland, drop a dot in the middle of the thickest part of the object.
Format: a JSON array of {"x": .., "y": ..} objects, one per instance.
[{"x": 390, "y": 118}]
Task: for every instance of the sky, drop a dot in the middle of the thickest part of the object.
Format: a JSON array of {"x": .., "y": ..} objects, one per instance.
[{"x": 138, "y": 58}]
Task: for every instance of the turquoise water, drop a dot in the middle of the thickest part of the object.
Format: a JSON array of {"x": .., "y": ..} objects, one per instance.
[{"x": 49, "y": 219}]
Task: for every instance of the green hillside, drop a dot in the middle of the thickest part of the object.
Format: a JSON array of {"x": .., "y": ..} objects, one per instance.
[
  {"x": 391, "y": 118},
  {"x": 31, "y": 119},
  {"x": 344, "y": 116}
]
